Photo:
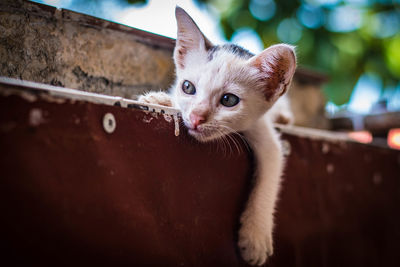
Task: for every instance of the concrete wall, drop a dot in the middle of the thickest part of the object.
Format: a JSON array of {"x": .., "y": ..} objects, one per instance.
[{"x": 48, "y": 45}]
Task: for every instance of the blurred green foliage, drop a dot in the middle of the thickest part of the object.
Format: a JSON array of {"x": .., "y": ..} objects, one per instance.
[{"x": 343, "y": 39}]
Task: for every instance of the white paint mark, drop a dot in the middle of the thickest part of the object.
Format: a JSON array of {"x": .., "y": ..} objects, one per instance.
[
  {"x": 36, "y": 117},
  {"x": 147, "y": 120},
  {"x": 176, "y": 120},
  {"x": 27, "y": 96},
  {"x": 325, "y": 148},
  {"x": 330, "y": 168},
  {"x": 53, "y": 99},
  {"x": 167, "y": 117}
]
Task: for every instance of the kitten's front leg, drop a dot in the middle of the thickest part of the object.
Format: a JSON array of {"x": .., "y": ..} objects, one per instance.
[
  {"x": 159, "y": 98},
  {"x": 255, "y": 235}
]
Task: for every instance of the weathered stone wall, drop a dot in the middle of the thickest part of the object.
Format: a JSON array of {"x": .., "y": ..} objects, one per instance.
[{"x": 59, "y": 47}]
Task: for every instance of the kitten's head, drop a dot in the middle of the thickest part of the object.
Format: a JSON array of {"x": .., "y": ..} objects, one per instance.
[{"x": 224, "y": 89}]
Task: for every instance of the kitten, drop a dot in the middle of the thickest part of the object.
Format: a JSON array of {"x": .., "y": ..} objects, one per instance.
[{"x": 224, "y": 89}]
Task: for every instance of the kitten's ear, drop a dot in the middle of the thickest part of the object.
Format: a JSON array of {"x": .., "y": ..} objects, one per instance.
[
  {"x": 276, "y": 66},
  {"x": 189, "y": 37}
]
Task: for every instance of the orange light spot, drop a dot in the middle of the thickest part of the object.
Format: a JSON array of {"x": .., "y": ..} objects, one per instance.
[
  {"x": 394, "y": 138},
  {"x": 361, "y": 136}
]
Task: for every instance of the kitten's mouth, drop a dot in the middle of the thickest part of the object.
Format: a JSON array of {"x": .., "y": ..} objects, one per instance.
[{"x": 202, "y": 134}]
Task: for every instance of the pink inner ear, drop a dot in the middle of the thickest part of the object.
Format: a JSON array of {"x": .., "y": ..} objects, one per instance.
[
  {"x": 189, "y": 37},
  {"x": 276, "y": 65},
  {"x": 272, "y": 76}
]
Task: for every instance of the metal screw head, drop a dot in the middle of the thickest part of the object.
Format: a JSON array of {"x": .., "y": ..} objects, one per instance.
[{"x": 109, "y": 123}]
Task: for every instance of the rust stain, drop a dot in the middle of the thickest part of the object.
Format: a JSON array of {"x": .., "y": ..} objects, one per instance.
[{"x": 138, "y": 196}]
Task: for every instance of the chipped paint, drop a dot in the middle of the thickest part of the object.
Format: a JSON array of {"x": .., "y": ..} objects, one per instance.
[
  {"x": 36, "y": 117},
  {"x": 60, "y": 95},
  {"x": 135, "y": 175},
  {"x": 167, "y": 117},
  {"x": 53, "y": 99},
  {"x": 147, "y": 120},
  {"x": 325, "y": 148},
  {"x": 330, "y": 168},
  {"x": 25, "y": 95},
  {"x": 154, "y": 115},
  {"x": 176, "y": 121}
]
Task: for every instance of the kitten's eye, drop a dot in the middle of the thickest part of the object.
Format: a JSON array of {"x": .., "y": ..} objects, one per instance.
[
  {"x": 229, "y": 100},
  {"x": 188, "y": 88}
]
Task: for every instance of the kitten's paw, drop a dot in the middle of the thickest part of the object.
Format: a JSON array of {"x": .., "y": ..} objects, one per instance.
[
  {"x": 159, "y": 98},
  {"x": 255, "y": 246}
]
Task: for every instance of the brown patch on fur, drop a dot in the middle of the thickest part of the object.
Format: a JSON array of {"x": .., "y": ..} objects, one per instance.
[
  {"x": 180, "y": 56},
  {"x": 273, "y": 75}
]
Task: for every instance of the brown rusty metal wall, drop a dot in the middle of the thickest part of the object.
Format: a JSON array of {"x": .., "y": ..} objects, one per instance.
[
  {"x": 72, "y": 194},
  {"x": 339, "y": 205}
]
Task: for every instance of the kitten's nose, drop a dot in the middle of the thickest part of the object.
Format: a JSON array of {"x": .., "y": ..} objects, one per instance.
[{"x": 196, "y": 119}]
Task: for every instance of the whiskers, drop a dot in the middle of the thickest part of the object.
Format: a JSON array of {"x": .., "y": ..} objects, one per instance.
[
  {"x": 223, "y": 136},
  {"x": 231, "y": 133}
]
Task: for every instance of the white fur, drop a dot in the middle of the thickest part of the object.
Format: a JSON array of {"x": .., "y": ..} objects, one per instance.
[
  {"x": 225, "y": 74},
  {"x": 229, "y": 73}
]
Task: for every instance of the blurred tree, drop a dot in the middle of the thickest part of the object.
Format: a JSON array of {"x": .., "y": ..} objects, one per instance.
[{"x": 344, "y": 38}]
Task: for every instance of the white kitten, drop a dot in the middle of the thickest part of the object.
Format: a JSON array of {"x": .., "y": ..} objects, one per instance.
[{"x": 225, "y": 89}]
